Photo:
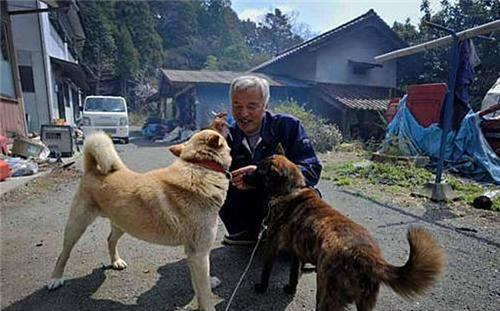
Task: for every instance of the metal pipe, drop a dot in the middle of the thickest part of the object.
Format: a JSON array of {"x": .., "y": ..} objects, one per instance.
[
  {"x": 447, "y": 110},
  {"x": 469, "y": 33}
]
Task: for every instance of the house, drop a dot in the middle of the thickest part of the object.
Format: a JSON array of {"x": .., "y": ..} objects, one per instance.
[
  {"x": 332, "y": 74},
  {"x": 191, "y": 96},
  {"x": 47, "y": 36},
  {"x": 11, "y": 103}
]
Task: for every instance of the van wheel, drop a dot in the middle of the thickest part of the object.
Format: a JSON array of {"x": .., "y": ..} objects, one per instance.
[{"x": 125, "y": 140}]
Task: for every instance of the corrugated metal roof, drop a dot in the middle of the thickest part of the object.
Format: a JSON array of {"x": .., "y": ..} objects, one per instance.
[
  {"x": 207, "y": 76},
  {"x": 325, "y": 36},
  {"x": 355, "y": 96}
]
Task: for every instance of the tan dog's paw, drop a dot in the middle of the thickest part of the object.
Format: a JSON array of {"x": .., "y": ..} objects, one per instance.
[
  {"x": 119, "y": 264},
  {"x": 55, "y": 283},
  {"x": 214, "y": 282},
  {"x": 193, "y": 304}
]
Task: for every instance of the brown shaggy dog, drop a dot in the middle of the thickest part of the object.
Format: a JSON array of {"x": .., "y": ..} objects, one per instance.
[{"x": 349, "y": 263}]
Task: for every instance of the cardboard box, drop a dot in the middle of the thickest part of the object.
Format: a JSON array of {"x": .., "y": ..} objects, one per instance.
[{"x": 26, "y": 148}]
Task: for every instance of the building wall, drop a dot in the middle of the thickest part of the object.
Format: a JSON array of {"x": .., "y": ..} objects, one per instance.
[
  {"x": 280, "y": 94},
  {"x": 11, "y": 109},
  {"x": 360, "y": 45},
  {"x": 301, "y": 66},
  {"x": 29, "y": 49},
  {"x": 210, "y": 97},
  {"x": 36, "y": 103},
  {"x": 36, "y": 41},
  {"x": 56, "y": 47}
]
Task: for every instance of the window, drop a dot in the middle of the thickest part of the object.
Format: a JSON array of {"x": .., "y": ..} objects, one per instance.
[
  {"x": 27, "y": 82},
  {"x": 359, "y": 70},
  {"x": 66, "y": 95},
  {"x": 105, "y": 104},
  {"x": 7, "y": 88}
]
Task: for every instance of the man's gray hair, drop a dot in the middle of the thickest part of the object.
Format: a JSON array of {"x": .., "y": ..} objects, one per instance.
[{"x": 250, "y": 82}]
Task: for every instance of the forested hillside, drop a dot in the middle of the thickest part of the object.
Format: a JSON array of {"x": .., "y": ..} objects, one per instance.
[{"x": 128, "y": 40}]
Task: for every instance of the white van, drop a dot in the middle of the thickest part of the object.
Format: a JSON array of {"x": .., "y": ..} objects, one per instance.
[{"x": 108, "y": 114}]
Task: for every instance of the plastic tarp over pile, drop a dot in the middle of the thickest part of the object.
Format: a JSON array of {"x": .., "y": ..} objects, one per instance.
[{"x": 466, "y": 150}]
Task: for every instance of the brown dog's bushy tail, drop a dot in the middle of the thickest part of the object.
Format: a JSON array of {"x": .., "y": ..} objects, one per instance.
[
  {"x": 423, "y": 268},
  {"x": 99, "y": 154}
]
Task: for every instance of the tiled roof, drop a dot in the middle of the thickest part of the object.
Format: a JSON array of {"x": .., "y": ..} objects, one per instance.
[
  {"x": 355, "y": 96},
  {"x": 370, "y": 15}
]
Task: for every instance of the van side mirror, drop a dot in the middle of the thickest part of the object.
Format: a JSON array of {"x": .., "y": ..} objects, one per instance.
[{"x": 80, "y": 108}]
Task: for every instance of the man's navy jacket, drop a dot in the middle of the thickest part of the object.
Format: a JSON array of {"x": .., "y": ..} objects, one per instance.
[
  {"x": 277, "y": 128},
  {"x": 244, "y": 210}
]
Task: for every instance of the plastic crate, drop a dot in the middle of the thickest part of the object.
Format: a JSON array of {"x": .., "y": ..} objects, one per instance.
[{"x": 425, "y": 101}]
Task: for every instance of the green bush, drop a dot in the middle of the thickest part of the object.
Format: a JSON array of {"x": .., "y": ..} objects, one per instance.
[{"x": 324, "y": 136}]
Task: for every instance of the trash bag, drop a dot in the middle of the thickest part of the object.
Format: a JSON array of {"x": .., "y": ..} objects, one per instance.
[{"x": 20, "y": 167}]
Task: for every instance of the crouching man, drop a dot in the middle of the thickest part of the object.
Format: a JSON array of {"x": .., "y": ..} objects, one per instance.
[{"x": 253, "y": 136}]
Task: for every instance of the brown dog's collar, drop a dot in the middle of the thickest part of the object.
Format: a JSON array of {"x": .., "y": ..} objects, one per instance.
[{"x": 214, "y": 166}]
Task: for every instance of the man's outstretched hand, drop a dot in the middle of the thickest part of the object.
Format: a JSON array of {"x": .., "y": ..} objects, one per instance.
[{"x": 237, "y": 177}]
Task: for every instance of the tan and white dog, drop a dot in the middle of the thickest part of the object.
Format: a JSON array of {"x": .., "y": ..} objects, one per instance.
[{"x": 176, "y": 205}]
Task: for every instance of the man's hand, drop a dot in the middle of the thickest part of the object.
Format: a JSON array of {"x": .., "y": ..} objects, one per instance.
[
  {"x": 237, "y": 177},
  {"x": 219, "y": 124}
]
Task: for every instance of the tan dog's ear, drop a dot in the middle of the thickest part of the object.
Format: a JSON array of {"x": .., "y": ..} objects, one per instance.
[
  {"x": 279, "y": 149},
  {"x": 176, "y": 149},
  {"x": 214, "y": 141}
]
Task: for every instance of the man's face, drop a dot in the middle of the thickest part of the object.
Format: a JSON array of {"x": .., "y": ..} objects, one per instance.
[{"x": 248, "y": 109}]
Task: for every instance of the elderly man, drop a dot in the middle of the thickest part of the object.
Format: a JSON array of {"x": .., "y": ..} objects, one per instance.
[{"x": 254, "y": 136}]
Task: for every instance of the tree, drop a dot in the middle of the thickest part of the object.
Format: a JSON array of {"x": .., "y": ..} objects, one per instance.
[
  {"x": 127, "y": 59},
  {"x": 176, "y": 21},
  {"x": 433, "y": 65},
  {"x": 99, "y": 49},
  {"x": 137, "y": 17},
  {"x": 275, "y": 33}
]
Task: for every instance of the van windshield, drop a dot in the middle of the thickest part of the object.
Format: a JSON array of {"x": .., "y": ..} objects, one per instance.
[{"x": 105, "y": 104}]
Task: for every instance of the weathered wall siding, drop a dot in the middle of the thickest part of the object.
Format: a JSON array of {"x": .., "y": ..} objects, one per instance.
[
  {"x": 301, "y": 66},
  {"x": 28, "y": 45},
  {"x": 11, "y": 118},
  {"x": 279, "y": 94},
  {"x": 361, "y": 45}
]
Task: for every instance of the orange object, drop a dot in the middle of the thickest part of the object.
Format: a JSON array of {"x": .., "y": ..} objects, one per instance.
[
  {"x": 425, "y": 101},
  {"x": 4, "y": 170},
  {"x": 391, "y": 110},
  {"x": 3, "y": 144}
]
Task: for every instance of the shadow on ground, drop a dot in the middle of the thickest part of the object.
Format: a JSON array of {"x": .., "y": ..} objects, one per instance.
[{"x": 172, "y": 290}]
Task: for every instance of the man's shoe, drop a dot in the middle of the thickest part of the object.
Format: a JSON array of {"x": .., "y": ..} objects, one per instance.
[{"x": 240, "y": 238}]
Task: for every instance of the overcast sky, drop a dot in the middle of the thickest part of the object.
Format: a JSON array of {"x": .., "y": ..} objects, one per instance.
[{"x": 323, "y": 15}]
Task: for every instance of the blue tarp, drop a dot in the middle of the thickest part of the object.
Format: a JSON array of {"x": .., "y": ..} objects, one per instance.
[{"x": 466, "y": 150}]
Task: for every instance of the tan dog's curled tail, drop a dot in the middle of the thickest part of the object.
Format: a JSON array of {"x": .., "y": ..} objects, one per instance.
[
  {"x": 423, "y": 268},
  {"x": 99, "y": 154}
]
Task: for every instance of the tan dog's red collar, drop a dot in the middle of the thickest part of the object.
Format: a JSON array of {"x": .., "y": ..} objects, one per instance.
[{"x": 214, "y": 166}]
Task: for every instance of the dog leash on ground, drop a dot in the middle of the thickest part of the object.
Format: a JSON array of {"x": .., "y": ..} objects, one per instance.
[{"x": 263, "y": 229}]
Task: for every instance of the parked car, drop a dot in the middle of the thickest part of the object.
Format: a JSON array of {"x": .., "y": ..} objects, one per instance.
[{"x": 108, "y": 114}]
